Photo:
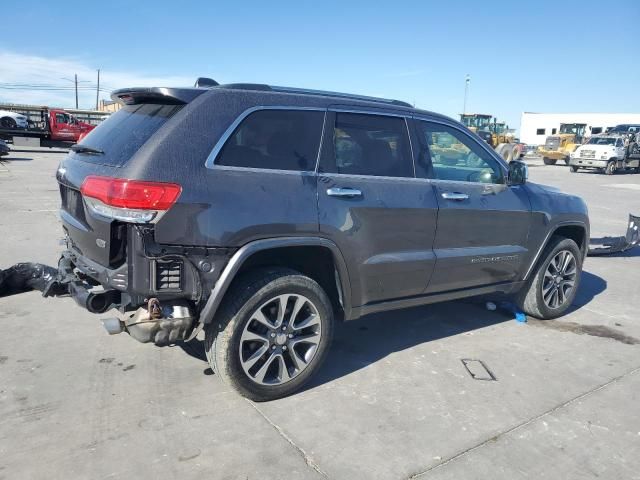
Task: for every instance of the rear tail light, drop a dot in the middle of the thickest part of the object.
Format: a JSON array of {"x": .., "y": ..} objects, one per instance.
[{"x": 129, "y": 200}]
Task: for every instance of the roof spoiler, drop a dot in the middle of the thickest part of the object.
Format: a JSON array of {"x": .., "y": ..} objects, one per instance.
[{"x": 158, "y": 95}]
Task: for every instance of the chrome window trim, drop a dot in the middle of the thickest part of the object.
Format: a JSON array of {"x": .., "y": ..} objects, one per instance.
[
  {"x": 413, "y": 157},
  {"x": 369, "y": 177},
  {"x": 492, "y": 153},
  {"x": 210, "y": 162},
  {"x": 367, "y": 111},
  {"x": 232, "y": 168}
]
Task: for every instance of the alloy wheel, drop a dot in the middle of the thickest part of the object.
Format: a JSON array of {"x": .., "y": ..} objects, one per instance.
[
  {"x": 280, "y": 339},
  {"x": 559, "y": 279}
]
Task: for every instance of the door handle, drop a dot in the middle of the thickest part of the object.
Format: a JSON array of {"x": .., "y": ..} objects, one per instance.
[
  {"x": 455, "y": 196},
  {"x": 343, "y": 192}
]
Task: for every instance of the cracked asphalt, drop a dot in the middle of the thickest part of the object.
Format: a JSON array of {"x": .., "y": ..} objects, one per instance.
[{"x": 393, "y": 401}]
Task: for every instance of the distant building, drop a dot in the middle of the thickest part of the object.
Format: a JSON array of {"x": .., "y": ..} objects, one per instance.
[
  {"x": 108, "y": 106},
  {"x": 536, "y": 127}
]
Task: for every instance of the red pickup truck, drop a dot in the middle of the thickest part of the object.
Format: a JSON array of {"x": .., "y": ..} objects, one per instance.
[{"x": 50, "y": 124}]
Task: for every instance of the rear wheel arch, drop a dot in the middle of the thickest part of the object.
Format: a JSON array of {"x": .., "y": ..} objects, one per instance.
[{"x": 315, "y": 257}]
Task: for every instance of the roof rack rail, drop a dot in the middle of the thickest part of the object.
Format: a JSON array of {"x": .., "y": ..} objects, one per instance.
[
  {"x": 308, "y": 91},
  {"x": 324, "y": 93}
]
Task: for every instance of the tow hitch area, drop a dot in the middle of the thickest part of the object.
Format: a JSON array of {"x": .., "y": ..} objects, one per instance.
[
  {"x": 609, "y": 245},
  {"x": 159, "y": 323}
]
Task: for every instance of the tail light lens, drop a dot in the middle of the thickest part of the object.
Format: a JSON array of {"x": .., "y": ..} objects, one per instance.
[{"x": 129, "y": 200}]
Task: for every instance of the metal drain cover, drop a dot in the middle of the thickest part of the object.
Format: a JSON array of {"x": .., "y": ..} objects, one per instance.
[{"x": 477, "y": 369}]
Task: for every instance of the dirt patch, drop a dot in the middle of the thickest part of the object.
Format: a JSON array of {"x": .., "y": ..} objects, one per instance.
[{"x": 592, "y": 330}]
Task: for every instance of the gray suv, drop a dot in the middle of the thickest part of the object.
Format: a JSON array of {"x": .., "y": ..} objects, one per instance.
[{"x": 264, "y": 215}]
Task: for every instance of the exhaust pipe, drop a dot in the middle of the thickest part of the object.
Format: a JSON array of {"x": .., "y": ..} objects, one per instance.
[
  {"x": 101, "y": 302},
  {"x": 113, "y": 326},
  {"x": 94, "y": 302},
  {"x": 160, "y": 324}
]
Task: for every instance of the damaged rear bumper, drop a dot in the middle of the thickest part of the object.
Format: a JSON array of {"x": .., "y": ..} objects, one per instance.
[
  {"x": 609, "y": 245},
  {"x": 159, "y": 291}
]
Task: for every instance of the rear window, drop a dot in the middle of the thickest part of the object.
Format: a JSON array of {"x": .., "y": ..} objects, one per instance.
[
  {"x": 275, "y": 139},
  {"x": 122, "y": 134}
]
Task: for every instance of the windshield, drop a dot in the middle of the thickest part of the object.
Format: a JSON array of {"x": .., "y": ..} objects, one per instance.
[
  {"x": 573, "y": 128},
  {"x": 602, "y": 141},
  {"x": 479, "y": 122},
  {"x": 122, "y": 134}
]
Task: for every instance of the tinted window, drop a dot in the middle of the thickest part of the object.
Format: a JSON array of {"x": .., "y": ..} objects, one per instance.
[
  {"x": 370, "y": 145},
  {"x": 449, "y": 154},
  {"x": 541, "y": 131},
  {"x": 122, "y": 134},
  {"x": 275, "y": 139},
  {"x": 61, "y": 118}
]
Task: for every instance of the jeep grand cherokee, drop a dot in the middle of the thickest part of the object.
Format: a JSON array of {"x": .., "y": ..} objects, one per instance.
[{"x": 264, "y": 215}]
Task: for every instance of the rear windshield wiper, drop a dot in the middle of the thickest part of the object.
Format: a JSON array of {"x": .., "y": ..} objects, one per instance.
[{"x": 86, "y": 149}]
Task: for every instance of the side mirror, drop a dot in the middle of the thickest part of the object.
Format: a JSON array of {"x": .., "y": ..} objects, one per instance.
[{"x": 518, "y": 173}]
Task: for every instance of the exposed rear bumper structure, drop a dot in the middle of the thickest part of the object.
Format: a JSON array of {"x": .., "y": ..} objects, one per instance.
[{"x": 609, "y": 245}]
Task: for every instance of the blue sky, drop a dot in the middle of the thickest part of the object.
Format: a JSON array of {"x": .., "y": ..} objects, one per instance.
[{"x": 545, "y": 56}]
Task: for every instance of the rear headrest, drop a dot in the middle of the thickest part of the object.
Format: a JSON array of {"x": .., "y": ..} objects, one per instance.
[{"x": 280, "y": 144}]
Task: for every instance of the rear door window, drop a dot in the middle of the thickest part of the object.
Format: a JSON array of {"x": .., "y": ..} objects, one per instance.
[
  {"x": 275, "y": 139},
  {"x": 367, "y": 144},
  {"x": 122, "y": 134}
]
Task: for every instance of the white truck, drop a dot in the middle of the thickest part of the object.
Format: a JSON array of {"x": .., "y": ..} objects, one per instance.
[{"x": 608, "y": 153}]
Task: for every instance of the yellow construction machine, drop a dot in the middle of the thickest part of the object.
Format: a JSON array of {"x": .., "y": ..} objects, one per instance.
[
  {"x": 497, "y": 134},
  {"x": 561, "y": 146}
]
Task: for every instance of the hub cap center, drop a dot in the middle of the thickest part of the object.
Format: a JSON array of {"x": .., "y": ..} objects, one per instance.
[{"x": 281, "y": 339}]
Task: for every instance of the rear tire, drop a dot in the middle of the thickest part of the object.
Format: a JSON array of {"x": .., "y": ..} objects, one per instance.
[
  {"x": 255, "y": 343},
  {"x": 552, "y": 286},
  {"x": 549, "y": 161}
]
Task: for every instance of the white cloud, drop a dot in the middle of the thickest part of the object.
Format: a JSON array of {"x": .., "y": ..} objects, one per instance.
[{"x": 34, "y": 70}]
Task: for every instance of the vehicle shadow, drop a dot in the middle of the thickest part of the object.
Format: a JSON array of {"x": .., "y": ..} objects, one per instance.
[
  {"x": 15, "y": 159},
  {"x": 362, "y": 342},
  {"x": 590, "y": 286}
]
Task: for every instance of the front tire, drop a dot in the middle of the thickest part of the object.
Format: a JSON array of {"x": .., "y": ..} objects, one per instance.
[
  {"x": 549, "y": 161},
  {"x": 552, "y": 287},
  {"x": 8, "y": 122},
  {"x": 271, "y": 334},
  {"x": 611, "y": 168},
  {"x": 573, "y": 169}
]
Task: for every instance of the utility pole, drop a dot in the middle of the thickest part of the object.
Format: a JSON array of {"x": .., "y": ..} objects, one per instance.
[
  {"x": 76, "y": 77},
  {"x": 467, "y": 81},
  {"x": 97, "y": 89}
]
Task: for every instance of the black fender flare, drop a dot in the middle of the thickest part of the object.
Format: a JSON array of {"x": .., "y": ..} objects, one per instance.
[
  {"x": 550, "y": 233},
  {"x": 233, "y": 266}
]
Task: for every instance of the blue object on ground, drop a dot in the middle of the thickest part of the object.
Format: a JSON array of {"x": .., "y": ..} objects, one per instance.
[{"x": 519, "y": 316}]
